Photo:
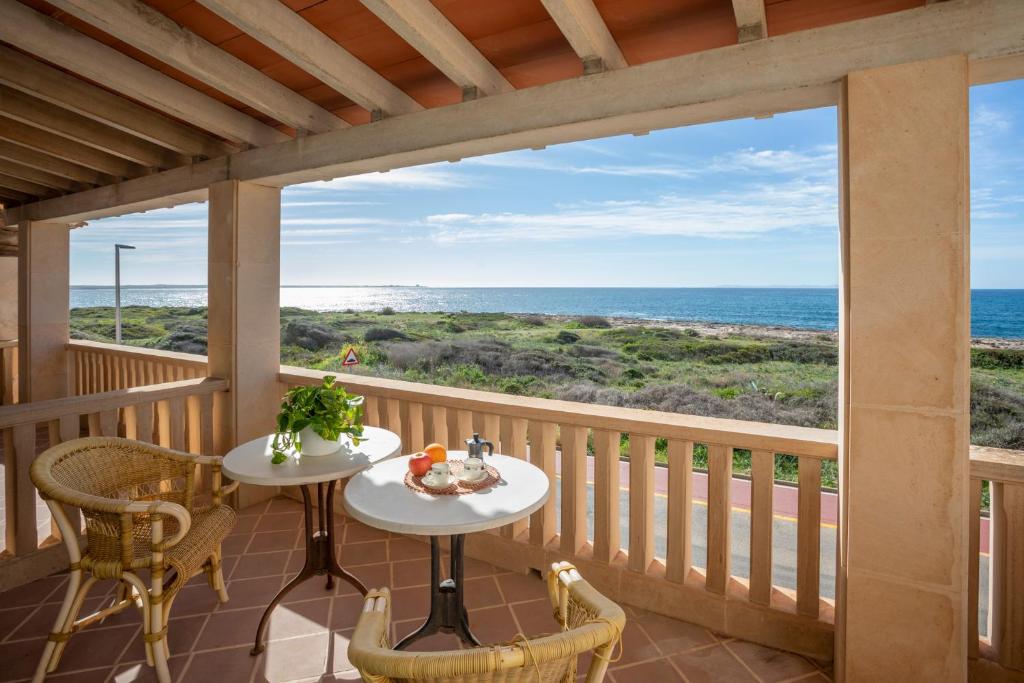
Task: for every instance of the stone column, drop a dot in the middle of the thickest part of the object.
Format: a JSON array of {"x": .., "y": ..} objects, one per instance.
[
  {"x": 8, "y": 329},
  {"x": 904, "y": 373},
  {"x": 244, "y": 336},
  {"x": 9, "y": 300},
  {"x": 42, "y": 310}
]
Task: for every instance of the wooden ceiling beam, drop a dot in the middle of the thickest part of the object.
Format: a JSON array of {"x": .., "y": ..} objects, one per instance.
[
  {"x": 26, "y": 186},
  {"x": 285, "y": 32},
  {"x": 14, "y": 195},
  {"x": 12, "y": 168},
  {"x": 427, "y": 30},
  {"x": 62, "y": 148},
  {"x": 584, "y": 28},
  {"x": 154, "y": 33},
  {"x": 790, "y": 72},
  {"x": 52, "y": 165},
  {"x": 16, "y": 105},
  {"x": 64, "y": 90},
  {"x": 751, "y": 23},
  {"x": 58, "y": 44}
]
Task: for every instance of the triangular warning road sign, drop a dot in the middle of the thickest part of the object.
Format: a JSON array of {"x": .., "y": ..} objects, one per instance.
[{"x": 349, "y": 357}]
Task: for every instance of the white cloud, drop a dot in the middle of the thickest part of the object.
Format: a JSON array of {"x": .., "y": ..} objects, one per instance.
[
  {"x": 431, "y": 177},
  {"x": 820, "y": 161},
  {"x": 322, "y": 232},
  {"x": 532, "y": 161},
  {"x": 794, "y": 206},
  {"x": 286, "y": 204},
  {"x": 987, "y": 120}
]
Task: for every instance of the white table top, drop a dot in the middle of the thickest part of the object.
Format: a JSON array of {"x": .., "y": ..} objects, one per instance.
[
  {"x": 379, "y": 498},
  {"x": 250, "y": 462}
]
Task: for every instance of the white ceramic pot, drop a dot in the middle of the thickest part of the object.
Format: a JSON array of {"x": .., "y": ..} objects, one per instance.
[{"x": 314, "y": 444}]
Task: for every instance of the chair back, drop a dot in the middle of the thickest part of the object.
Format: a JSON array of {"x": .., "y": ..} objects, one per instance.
[
  {"x": 590, "y": 622},
  {"x": 91, "y": 473}
]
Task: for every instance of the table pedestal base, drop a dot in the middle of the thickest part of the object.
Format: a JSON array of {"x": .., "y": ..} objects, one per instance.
[
  {"x": 320, "y": 555},
  {"x": 447, "y": 607}
]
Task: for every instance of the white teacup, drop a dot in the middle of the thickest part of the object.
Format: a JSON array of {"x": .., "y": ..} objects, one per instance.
[
  {"x": 473, "y": 468},
  {"x": 438, "y": 474}
]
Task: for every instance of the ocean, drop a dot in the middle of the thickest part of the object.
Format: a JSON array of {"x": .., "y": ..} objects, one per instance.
[{"x": 994, "y": 312}]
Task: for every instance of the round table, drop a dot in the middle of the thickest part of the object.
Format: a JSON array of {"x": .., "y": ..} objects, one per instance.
[
  {"x": 378, "y": 497},
  {"x": 250, "y": 464}
]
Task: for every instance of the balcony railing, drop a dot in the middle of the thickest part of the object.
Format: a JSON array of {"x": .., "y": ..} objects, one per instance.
[
  {"x": 176, "y": 415},
  {"x": 95, "y": 367},
  {"x": 1004, "y": 472},
  {"x": 566, "y": 438},
  {"x": 626, "y": 566},
  {"x": 8, "y": 372}
]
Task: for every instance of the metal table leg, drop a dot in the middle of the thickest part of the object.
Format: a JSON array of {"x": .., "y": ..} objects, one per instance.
[
  {"x": 447, "y": 604},
  {"x": 320, "y": 555}
]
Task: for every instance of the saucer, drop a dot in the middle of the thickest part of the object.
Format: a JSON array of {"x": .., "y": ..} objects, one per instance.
[
  {"x": 466, "y": 477},
  {"x": 430, "y": 484}
]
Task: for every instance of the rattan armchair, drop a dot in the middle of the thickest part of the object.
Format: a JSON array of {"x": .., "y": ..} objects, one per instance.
[
  {"x": 589, "y": 621},
  {"x": 141, "y": 514}
]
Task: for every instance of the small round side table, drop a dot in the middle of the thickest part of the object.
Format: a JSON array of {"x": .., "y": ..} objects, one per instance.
[
  {"x": 378, "y": 497},
  {"x": 250, "y": 464}
]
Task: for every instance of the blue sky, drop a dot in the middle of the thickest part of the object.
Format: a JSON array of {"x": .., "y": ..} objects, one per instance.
[{"x": 749, "y": 202}]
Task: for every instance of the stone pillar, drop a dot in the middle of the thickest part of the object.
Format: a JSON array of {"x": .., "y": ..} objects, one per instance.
[
  {"x": 904, "y": 373},
  {"x": 8, "y": 329},
  {"x": 9, "y": 299},
  {"x": 244, "y": 336},
  {"x": 42, "y": 310}
]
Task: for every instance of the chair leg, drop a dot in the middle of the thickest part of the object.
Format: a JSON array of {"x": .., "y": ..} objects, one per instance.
[
  {"x": 64, "y": 624},
  {"x": 155, "y": 634},
  {"x": 215, "y": 575},
  {"x": 142, "y": 593}
]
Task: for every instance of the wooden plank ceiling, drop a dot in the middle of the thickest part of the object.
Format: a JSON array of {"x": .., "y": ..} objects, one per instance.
[{"x": 96, "y": 91}]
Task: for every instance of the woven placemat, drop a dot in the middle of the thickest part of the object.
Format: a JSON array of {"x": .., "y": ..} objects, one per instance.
[{"x": 458, "y": 487}]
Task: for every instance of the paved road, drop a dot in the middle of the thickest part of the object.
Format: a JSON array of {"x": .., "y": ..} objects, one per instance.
[{"x": 783, "y": 542}]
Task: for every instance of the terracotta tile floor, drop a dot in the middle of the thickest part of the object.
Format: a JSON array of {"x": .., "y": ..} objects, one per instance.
[{"x": 309, "y": 632}]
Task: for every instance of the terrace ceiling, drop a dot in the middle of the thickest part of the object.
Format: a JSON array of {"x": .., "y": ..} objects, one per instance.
[
  {"x": 109, "y": 93},
  {"x": 96, "y": 91}
]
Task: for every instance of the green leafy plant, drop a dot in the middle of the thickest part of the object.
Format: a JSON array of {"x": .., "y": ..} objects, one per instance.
[{"x": 327, "y": 409}]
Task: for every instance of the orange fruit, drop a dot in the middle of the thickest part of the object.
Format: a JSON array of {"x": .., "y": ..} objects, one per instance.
[{"x": 437, "y": 452}]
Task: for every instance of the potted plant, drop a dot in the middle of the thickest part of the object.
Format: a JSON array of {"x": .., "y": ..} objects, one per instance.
[{"x": 312, "y": 419}]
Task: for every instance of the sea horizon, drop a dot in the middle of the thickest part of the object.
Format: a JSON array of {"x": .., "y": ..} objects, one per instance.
[
  {"x": 836, "y": 287},
  {"x": 995, "y": 313}
]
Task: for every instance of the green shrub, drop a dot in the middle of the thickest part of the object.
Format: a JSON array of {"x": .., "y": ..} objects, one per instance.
[
  {"x": 997, "y": 417},
  {"x": 310, "y": 336},
  {"x": 383, "y": 334},
  {"x": 594, "y": 321},
  {"x": 997, "y": 359}
]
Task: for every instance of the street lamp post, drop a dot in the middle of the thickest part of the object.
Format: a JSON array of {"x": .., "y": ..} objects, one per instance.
[{"x": 117, "y": 290}]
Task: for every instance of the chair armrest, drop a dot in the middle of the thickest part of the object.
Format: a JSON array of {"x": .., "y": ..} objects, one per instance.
[
  {"x": 560, "y": 577},
  {"x": 370, "y": 639},
  {"x": 166, "y": 508},
  {"x": 119, "y": 506}
]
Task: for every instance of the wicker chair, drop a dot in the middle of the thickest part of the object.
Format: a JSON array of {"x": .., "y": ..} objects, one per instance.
[
  {"x": 589, "y": 621},
  {"x": 141, "y": 513}
]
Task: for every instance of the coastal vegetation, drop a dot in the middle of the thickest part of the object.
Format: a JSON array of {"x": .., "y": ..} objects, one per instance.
[{"x": 775, "y": 376}]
